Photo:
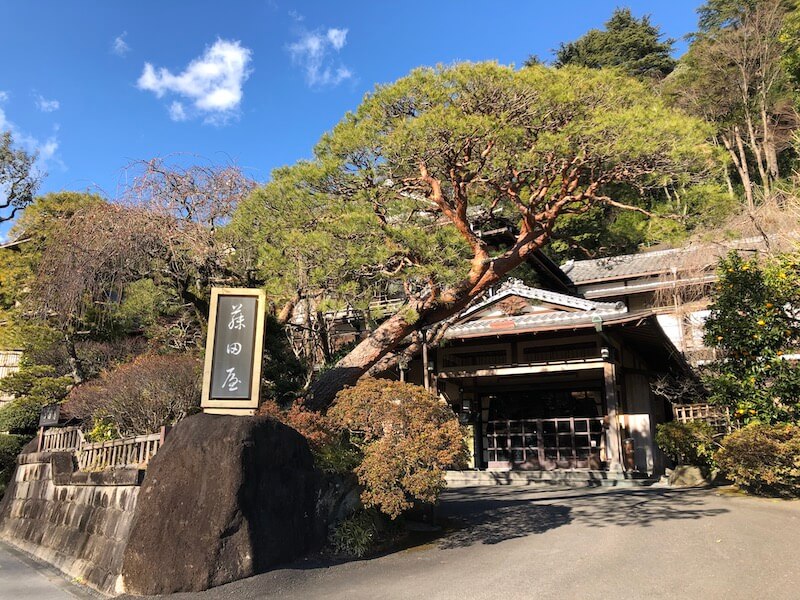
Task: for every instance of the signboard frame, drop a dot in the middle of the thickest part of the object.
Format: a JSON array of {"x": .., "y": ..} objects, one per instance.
[
  {"x": 49, "y": 415},
  {"x": 221, "y": 405}
]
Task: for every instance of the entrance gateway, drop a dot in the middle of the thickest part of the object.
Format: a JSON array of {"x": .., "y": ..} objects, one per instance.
[{"x": 549, "y": 381}]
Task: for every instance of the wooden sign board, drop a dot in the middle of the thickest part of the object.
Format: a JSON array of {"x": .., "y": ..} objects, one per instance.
[
  {"x": 234, "y": 347},
  {"x": 49, "y": 415}
]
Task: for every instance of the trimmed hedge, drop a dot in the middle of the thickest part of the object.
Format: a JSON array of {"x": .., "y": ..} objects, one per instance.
[
  {"x": 763, "y": 459},
  {"x": 10, "y": 447}
]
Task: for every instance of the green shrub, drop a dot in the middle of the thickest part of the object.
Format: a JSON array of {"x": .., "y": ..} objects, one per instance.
[
  {"x": 407, "y": 439},
  {"x": 356, "y": 535},
  {"x": 337, "y": 456},
  {"x": 33, "y": 387},
  {"x": 21, "y": 414},
  {"x": 10, "y": 447},
  {"x": 687, "y": 443},
  {"x": 763, "y": 459}
]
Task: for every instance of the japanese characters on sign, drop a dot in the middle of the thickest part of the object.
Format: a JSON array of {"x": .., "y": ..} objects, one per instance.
[
  {"x": 233, "y": 351},
  {"x": 49, "y": 415}
]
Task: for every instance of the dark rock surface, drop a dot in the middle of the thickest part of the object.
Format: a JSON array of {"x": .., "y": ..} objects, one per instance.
[{"x": 225, "y": 498}]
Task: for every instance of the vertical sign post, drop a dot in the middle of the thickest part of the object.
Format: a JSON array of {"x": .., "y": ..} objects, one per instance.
[{"x": 232, "y": 370}]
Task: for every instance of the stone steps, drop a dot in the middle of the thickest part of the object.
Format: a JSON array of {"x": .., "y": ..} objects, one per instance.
[{"x": 565, "y": 477}]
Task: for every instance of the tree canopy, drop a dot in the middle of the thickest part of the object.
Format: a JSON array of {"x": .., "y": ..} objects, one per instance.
[
  {"x": 634, "y": 45},
  {"x": 740, "y": 74},
  {"x": 19, "y": 179},
  {"x": 753, "y": 323},
  {"x": 399, "y": 190}
]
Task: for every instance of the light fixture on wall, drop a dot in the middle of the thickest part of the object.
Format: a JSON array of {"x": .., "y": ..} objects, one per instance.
[{"x": 605, "y": 353}]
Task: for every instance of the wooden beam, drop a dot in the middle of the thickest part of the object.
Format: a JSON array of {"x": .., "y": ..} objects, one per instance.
[{"x": 550, "y": 367}]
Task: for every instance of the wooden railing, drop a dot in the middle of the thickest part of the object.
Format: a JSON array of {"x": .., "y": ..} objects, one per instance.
[
  {"x": 385, "y": 307},
  {"x": 60, "y": 439},
  {"x": 717, "y": 417},
  {"x": 92, "y": 456},
  {"x": 126, "y": 452}
]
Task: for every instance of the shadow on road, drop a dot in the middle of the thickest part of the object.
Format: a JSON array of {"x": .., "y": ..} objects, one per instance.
[
  {"x": 487, "y": 516},
  {"x": 505, "y": 522}
]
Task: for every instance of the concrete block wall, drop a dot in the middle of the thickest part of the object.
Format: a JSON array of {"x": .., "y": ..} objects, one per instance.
[{"x": 76, "y": 521}]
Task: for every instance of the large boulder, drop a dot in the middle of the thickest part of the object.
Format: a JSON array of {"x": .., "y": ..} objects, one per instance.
[{"x": 225, "y": 498}]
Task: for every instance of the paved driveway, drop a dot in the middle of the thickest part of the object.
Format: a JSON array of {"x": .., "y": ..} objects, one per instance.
[
  {"x": 23, "y": 578},
  {"x": 599, "y": 543}
]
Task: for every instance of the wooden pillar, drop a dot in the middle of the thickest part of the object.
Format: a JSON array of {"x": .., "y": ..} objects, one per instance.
[
  {"x": 426, "y": 376},
  {"x": 613, "y": 441}
]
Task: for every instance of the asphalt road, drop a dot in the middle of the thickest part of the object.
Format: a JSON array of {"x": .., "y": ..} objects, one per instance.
[
  {"x": 516, "y": 542},
  {"x": 24, "y": 578}
]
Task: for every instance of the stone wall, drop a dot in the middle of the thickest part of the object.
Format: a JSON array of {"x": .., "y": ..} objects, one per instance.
[
  {"x": 76, "y": 521},
  {"x": 225, "y": 498}
]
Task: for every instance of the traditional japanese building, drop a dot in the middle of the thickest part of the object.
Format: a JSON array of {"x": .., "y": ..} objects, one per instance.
[
  {"x": 549, "y": 381},
  {"x": 674, "y": 283},
  {"x": 558, "y": 376}
]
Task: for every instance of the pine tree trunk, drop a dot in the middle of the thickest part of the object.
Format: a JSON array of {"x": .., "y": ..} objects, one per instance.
[
  {"x": 413, "y": 316},
  {"x": 348, "y": 370}
]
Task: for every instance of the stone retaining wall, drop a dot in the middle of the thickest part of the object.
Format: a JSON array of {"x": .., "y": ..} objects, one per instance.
[
  {"x": 225, "y": 498},
  {"x": 76, "y": 521}
]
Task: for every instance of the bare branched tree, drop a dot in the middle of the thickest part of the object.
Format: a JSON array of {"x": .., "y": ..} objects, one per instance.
[{"x": 206, "y": 194}]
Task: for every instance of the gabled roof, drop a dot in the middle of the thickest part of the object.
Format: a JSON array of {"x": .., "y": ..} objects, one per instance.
[
  {"x": 659, "y": 262},
  {"x": 514, "y": 287},
  {"x": 566, "y": 311},
  {"x": 627, "y": 265}
]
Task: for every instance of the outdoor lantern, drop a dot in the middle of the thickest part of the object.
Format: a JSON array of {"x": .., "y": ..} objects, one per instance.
[
  {"x": 605, "y": 353},
  {"x": 430, "y": 366}
]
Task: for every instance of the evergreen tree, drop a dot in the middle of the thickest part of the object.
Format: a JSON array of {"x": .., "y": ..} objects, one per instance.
[{"x": 631, "y": 44}]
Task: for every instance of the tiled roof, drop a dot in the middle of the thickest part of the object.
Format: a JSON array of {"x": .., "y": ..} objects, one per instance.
[
  {"x": 588, "y": 312},
  {"x": 653, "y": 263},
  {"x": 514, "y": 287}
]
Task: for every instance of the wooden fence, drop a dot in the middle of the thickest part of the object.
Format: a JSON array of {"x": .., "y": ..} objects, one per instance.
[
  {"x": 93, "y": 456},
  {"x": 717, "y": 417},
  {"x": 126, "y": 452},
  {"x": 60, "y": 439}
]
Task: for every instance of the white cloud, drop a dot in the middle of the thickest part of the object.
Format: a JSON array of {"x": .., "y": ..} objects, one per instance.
[
  {"x": 296, "y": 16},
  {"x": 213, "y": 82},
  {"x": 177, "y": 112},
  {"x": 337, "y": 37},
  {"x": 46, "y": 105},
  {"x": 119, "y": 46},
  {"x": 4, "y": 96},
  {"x": 45, "y": 149},
  {"x": 312, "y": 51}
]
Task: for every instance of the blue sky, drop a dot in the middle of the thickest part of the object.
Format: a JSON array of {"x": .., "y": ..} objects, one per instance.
[{"x": 254, "y": 82}]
